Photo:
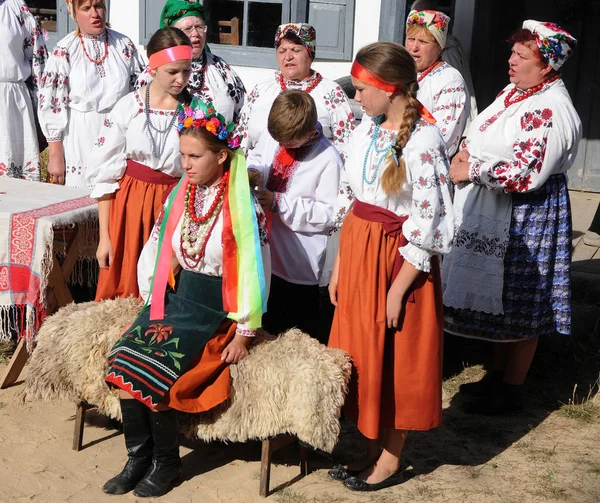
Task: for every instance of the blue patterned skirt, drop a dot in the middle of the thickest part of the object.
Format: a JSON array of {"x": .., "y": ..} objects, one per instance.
[{"x": 537, "y": 272}]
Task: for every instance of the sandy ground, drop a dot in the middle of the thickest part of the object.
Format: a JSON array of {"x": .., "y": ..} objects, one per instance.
[{"x": 540, "y": 455}]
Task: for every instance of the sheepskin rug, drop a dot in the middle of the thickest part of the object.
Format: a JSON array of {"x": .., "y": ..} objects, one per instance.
[{"x": 289, "y": 384}]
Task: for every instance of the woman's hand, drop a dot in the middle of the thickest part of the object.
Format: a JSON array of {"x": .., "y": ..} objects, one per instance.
[
  {"x": 459, "y": 168},
  {"x": 395, "y": 306},
  {"x": 333, "y": 282},
  {"x": 56, "y": 163},
  {"x": 104, "y": 253},
  {"x": 236, "y": 350},
  {"x": 265, "y": 199}
]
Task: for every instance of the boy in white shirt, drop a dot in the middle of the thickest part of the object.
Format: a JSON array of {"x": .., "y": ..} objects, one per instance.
[{"x": 297, "y": 180}]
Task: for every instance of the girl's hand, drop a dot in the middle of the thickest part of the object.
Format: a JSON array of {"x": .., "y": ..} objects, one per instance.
[
  {"x": 236, "y": 350},
  {"x": 56, "y": 166},
  {"x": 104, "y": 253},
  {"x": 395, "y": 306},
  {"x": 265, "y": 199},
  {"x": 333, "y": 282}
]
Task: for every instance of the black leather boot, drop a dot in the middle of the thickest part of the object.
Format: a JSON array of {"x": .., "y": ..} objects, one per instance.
[
  {"x": 166, "y": 463},
  {"x": 138, "y": 440},
  {"x": 491, "y": 382}
]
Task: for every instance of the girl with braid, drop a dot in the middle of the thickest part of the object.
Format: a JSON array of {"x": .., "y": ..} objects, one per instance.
[{"x": 397, "y": 218}]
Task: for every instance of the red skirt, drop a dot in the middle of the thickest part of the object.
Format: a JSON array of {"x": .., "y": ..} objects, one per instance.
[
  {"x": 397, "y": 376},
  {"x": 133, "y": 211}
]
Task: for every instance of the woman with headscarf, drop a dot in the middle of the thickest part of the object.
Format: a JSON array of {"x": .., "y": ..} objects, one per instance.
[
  {"x": 442, "y": 89},
  {"x": 21, "y": 66},
  {"x": 212, "y": 79},
  {"x": 507, "y": 279},
  {"x": 295, "y": 49},
  {"x": 88, "y": 72}
]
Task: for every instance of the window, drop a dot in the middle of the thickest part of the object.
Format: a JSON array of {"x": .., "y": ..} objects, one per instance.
[{"x": 243, "y": 31}]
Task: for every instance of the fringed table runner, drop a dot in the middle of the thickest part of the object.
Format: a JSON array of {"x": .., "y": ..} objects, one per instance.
[{"x": 30, "y": 212}]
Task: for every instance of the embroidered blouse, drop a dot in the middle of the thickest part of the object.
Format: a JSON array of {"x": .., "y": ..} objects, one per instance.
[
  {"x": 443, "y": 92},
  {"x": 212, "y": 263},
  {"x": 305, "y": 197},
  {"x": 124, "y": 135},
  {"x": 72, "y": 81},
  {"x": 213, "y": 81},
  {"x": 333, "y": 110},
  {"x": 425, "y": 197},
  {"x": 24, "y": 51}
]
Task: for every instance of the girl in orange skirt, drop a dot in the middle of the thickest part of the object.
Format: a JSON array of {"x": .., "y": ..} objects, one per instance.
[
  {"x": 386, "y": 283},
  {"x": 138, "y": 163}
]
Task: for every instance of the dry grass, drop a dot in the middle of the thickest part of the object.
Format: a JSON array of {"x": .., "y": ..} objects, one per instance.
[
  {"x": 583, "y": 410},
  {"x": 44, "y": 165},
  {"x": 469, "y": 374},
  {"x": 7, "y": 348}
]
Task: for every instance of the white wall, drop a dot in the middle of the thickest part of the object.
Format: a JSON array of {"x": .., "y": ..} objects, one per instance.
[
  {"x": 366, "y": 30},
  {"x": 124, "y": 17}
]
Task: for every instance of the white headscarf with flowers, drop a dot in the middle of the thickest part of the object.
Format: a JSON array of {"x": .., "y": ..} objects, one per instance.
[
  {"x": 556, "y": 45},
  {"x": 436, "y": 22}
]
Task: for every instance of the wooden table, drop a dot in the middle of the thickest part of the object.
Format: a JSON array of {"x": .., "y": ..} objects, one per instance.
[{"x": 38, "y": 223}]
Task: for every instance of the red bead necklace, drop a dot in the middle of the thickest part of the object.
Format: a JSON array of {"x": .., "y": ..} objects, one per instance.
[
  {"x": 528, "y": 93},
  {"x": 427, "y": 71},
  {"x": 317, "y": 81},
  {"x": 96, "y": 61},
  {"x": 190, "y": 199}
]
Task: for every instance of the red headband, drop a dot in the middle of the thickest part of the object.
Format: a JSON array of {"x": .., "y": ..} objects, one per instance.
[
  {"x": 177, "y": 53},
  {"x": 359, "y": 72}
]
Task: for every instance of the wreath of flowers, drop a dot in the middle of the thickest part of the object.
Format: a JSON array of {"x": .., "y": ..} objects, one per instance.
[{"x": 200, "y": 115}]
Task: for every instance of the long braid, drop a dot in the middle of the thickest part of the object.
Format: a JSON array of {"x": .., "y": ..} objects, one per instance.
[{"x": 394, "y": 175}]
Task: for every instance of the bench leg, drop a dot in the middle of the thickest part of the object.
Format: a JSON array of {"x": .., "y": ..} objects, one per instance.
[
  {"x": 265, "y": 468},
  {"x": 304, "y": 455},
  {"x": 79, "y": 424}
]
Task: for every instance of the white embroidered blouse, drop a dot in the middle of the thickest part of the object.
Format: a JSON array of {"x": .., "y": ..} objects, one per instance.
[
  {"x": 333, "y": 110},
  {"x": 425, "y": 197},
  {"x": 443, "y": 92},
  {"x": 212, "y": 263},
  {"x": 213, "y": 81},
  {"x": 124, "y": 135},
  {"x": 72, "y": 81},
  {"x": 303, "y": 207},
  {"x": 24, "y": 51}
]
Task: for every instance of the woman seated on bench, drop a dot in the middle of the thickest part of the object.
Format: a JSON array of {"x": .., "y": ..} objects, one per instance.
[{"x": 175, "y": 356}]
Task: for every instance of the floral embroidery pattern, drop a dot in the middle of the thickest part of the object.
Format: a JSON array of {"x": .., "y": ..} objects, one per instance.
[
  {"x": 480, "y": 243},
  {"x": 100, "y": 141},
  {"x": 155, "y": 341},
  {"x": 536, "y": 119},
  {"x": 529, "y": 159},
  {"x": 263, "y": 233}
]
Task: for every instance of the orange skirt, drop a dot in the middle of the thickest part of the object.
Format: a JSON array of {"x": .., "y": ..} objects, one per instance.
[
  {"x": 397, "y": 376},
  {"x": 206, "y": 383},
  {"x": 133, "y": 211}
]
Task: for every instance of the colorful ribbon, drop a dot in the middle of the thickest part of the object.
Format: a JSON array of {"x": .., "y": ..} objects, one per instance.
[{"x": 361, "y": 73}]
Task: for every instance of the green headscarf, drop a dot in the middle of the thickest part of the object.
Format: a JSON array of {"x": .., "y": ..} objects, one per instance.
[{"x": 174, "y": 10}]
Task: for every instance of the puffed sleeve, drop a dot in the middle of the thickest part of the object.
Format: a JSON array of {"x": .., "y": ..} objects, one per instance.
[
  {"x": 53, "y": 99},
  {"x": 263, "y": 234},
  {"x": 451, "y": 111},
  {"x": 312, "y": 214},
  {"x": 429, "y": 228},
  {"x": 539, "y": 151},
  {"x": 342, "y": 118},
  {"x": 137, "y": 65},
  {"x": 244, "y": 118},
  {"x": 110, "y": 150},
  {"x": 36, "y": 53}
]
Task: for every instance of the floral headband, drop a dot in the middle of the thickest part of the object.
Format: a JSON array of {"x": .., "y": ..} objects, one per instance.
[
  {"x": 200, "y": 115},
  {"x": 556, "y": 45},
  {"x": 436, "y": 22}
]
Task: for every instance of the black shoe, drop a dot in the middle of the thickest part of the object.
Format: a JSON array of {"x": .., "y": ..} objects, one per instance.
[
  {"x": 138, "y": 440},
  {"x": 166, "y": 463},
  {"x": 486, "y": 386},
  {"x": 357, "y": 484},
  {"x": 507, "y": 400},
  {"x": 341, "y": 473}
]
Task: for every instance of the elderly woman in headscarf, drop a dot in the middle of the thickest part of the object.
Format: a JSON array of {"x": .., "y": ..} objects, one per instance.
[
  {"x": 295, "y": 50},
  {"x": 212, "y": 80},
  {"x": 507, "y": 279},
  {"x": 87, "y": 73},
  {"x": 442, "y": 89}
]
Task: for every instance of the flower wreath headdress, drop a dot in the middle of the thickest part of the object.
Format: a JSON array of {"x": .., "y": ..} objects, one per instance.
[{"x": 200, "y": 115}]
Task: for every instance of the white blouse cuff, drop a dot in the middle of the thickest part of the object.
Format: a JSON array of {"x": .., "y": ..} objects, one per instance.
[
  {"x": 244, "y": 331},
  {"x": 101, "y": 189},
  {"x": 421, "y": 259}
]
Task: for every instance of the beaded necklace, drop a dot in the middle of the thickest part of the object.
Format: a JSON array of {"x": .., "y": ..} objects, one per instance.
[
  {"x": 528, "y": 93},
  {"x": 317, "y": 81},
  {"x": 197, "y": 229},
  {"x": 162, "y": 140},
  {"x": 427, "y": 71},
  {"x": 373, "y": 145},
  {"x": 95, "y": 61}
]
